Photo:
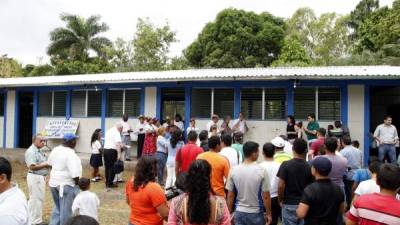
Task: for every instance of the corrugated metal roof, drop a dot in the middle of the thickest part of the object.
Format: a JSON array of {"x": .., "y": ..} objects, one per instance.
[{"x": 279, "y": 73}]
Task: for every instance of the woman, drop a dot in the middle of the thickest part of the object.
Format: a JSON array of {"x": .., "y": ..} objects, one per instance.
[
  {"x": 144, "y": 196},
  {"x": 300, "y": 131},
  {"x": 96, "y": 160},
  {"x": 178, "y": 122},
  {"x": 198, "y": 205},
  {"x": 161, "y": 154},
  {"x": 290, "y": 131},
  {"x": 225, "y": 128},
  {"x": 150, "y": 139},
  {"x": 203, "y": 138},
  {"x": 175, "y": 143},
  {"x": 213, "y": 131},
  {"x": 192, "y": 126}
]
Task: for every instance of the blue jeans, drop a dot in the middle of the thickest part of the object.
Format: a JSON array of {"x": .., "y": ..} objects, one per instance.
[
  {"x": 389, "y": 150},
  {"x": 289, "y": 216},
  {"x": 62, "y": 205},
  {"x": 161, "y": 161},
  {"x": 242, "y": 218}
]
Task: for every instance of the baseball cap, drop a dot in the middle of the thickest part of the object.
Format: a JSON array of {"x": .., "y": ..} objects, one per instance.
[
  {"x": 69, "y": 136},
  {"x": 322, "y": 165},
  {"x": 278, "y": 142}
]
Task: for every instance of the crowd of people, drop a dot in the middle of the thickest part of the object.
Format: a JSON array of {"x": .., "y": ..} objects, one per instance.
[{"x": 310, "y": 175}]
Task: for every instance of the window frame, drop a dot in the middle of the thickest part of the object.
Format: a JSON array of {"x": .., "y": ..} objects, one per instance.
[
  {"x": 52, "y": 103},
  {"x": 123, "y": 101},
  {"x": 86, "y": 115}
]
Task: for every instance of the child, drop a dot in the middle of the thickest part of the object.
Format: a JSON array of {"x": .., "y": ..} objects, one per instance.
[
  {"x": 96, "y": 160},
  {"x": 86, "y": 202}
]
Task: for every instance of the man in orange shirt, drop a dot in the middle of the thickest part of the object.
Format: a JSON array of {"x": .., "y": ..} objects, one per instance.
[{"x": 219, "y": 165}]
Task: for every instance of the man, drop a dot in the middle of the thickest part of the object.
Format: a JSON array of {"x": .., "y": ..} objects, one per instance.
[
  {"x": 369, "y": 186},
  {"x": 240, "y": 125},
  {"x": 187, "y": 154},
  {"x": 141, "y": 134},
  {"x": 244, "y": 184},
  {"x": 294, "y": 175},
  {"x": 126, "y": 134},
  {"x": 280, "y": 155},
  {"x": 379, "y": 208},
  {"x": 219, "y": 166},
  {"x": 312, "y": 127},
  {"x": 64, "y": 177},
  {"x": 317, "y": 145},
  {"x": 387, "y": 138},
  {"x": 230, "y": 153},
  {"x": 13, "y": 205},
  {"x": 213, "y": 122},
  {"x": 354, "y": 158},
  {"x": 322, "y": 201},
  {"x": 112, "y": 152},
  {"x": 339, "y": 163},
  {"x": 272, "y": 169},
  {"x": 238, "y": 144},
  {"x": 36, "y": 178}
]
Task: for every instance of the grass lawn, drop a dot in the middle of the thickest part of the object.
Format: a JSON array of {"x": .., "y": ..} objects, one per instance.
[{"x": 113, "y": 209}]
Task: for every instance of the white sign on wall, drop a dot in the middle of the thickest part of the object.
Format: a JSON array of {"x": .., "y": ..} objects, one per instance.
[{"x": 55, "y": 129}]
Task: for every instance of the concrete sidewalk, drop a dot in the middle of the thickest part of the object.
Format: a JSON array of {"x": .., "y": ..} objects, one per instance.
[{"x": 18, "y": 155}]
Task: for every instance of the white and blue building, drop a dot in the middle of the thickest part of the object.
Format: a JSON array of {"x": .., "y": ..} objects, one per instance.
[{"x": 359, "y": 96}]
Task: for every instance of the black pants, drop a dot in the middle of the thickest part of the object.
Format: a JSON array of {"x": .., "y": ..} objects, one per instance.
[
  {"x": 276, "y": 211},
  {"x": 348, "y": 184},
  {"x": 110, "y": 157},
  {"x": 140, "y": 143}
]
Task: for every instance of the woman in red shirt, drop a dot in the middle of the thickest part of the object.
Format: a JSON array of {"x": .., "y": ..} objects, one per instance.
[
  {"x": 145, "y": 196},
  {"x": 150, "y": 139}
]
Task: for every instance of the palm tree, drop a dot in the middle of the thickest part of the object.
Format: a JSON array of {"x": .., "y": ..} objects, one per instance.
[{"x": 78, "y": 38}]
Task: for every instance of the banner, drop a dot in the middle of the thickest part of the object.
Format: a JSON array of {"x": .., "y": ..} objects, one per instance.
[{"x": 55, "y": 129}]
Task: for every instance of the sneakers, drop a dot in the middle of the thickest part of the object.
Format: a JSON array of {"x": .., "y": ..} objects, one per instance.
[{"x": 95, "y": 179}]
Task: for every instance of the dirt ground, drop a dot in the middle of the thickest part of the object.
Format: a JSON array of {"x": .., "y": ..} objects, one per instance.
[{"x": 113, "y": 209}]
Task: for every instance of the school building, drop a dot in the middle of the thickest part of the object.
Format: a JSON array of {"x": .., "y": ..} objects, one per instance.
[{"x": 359, "y": 96}]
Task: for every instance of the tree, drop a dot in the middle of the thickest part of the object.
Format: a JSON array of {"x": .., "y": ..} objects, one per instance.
[
  {"x": 357, "y": 17},
  {"x": 292, "y": 54},
  {"x": 324, "y": 38},
  {"x": 151, "y": 46},
  {"x": 121, "y": 55},
  {"x": 237, "y": 39},
  {"x": 78, "y": 38},
  {"x": 9, "y": 67},
  {"x": 39, "y": 70},
  {"x": 94, "y": 65},
  {"x": 178, "y": 63}
]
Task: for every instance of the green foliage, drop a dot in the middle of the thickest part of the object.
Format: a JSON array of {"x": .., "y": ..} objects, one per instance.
[
  {"x": 120, "y": 55},
  {"x": 78, "y": 37},
  {"x": 292, "y": 54},
  {"x": 9, "y": 67},
  {"x": 40, "y": 70},
  {"x": 237, "y": 39},
  {"x": 357, "y": 17},
  {"x": 151, "y": 46},
  {"x": 178, "y": 63},
  {"x": 94, "y": 65}
]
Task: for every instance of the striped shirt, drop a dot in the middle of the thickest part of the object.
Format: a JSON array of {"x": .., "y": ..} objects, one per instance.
[
  {"x": 282, "y": 156},
  {"x": 375, "y": 209}
]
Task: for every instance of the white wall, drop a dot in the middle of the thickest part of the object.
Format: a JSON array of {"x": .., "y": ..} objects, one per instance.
[
  {"x": 356, "y": 113},
  {"x": 150, "y": 101},
  {"x": 1, "y": 130},
  {"x": 10, "y": 119}
]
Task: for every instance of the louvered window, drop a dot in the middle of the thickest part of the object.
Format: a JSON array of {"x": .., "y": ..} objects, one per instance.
[
  {"x": 329, "y": 103},
  {"x": 275, "y": 103},
  {"x": 304, "y": 102},
  {"x": 94, "y": 104},
  {"x": 2, "y": 104},
  {"x": 201, "y": 103},
  {"x": 59, "y": 103},
  {"x": 45, "y": 104},
  {"x": 78, "y": 104},
  {"x": 251, "y": 102},
  {"x": 123, "y": 101},
  {"x": 223, "y": 102},
  {"x": 132, "y": 102}
]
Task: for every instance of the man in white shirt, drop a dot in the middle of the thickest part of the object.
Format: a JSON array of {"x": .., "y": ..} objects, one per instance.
[
  {"x": 369, "y": 186},
  {"x": 36, "y": 178},
  {"x": 272, "y": 169},
  {"x": 126, "y": 134},
  {"x": 140, "y": 131},
  {"x": 13, "y": 205},
  {"x": 64, "y": 176},
  {"x": 213, "y": 122},
  {"x": 87, "y": 202},
  {"x": 112, "y": 152},
  {"x": 240, "y": 124},
  {"x": 387, "y": 138},
  {"x": 226, "y": 150}
]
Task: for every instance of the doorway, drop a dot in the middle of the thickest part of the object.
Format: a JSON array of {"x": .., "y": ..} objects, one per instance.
[
  {"x": 25, "y": 119},
  {"x": 172, "y": 102}
]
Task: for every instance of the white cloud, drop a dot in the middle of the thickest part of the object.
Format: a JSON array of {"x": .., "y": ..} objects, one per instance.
[{"x": 25, "y": 24}]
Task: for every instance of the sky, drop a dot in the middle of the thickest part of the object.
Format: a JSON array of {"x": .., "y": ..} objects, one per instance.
[{"x": 25, "y": 24}]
